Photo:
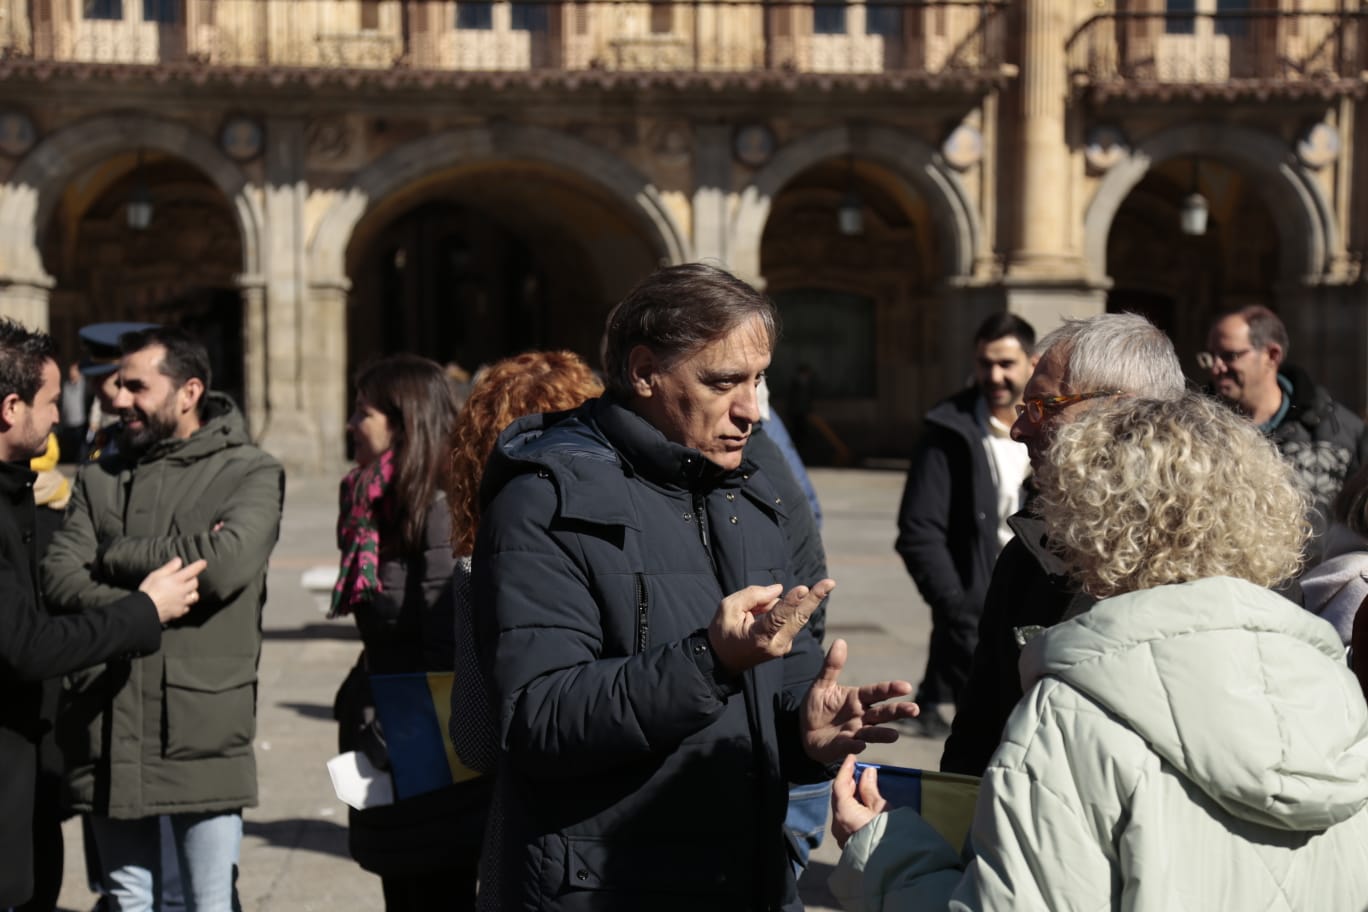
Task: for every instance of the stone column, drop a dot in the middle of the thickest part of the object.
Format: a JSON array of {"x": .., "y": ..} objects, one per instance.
[
  {"x": 289, "y": 431},
  {"x": 1046, "y": 279},
  {"x": 325, "y": 370},
  {"x": 1045, "y": 217},
  {"x": 712, "y": 191},
  {"x": 253, "y": 290},
  {"x": 26, "y": 300}
]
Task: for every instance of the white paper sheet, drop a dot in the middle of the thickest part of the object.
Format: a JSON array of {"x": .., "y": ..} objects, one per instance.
[{"x": 358, "y": 783}]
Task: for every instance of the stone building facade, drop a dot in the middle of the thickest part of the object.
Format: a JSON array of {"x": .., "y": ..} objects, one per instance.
[{"x": 311, "y": 183}]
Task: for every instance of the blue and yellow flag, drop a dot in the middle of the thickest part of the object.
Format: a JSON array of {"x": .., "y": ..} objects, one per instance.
[
  {"x": 414, "y": 711},
  {"x": 944, "y": 800}
]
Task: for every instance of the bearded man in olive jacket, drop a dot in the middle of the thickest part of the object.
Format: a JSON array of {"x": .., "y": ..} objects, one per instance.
[{"x": 186, "y": 482}]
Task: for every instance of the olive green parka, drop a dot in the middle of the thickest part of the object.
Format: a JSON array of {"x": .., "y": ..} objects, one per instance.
[{"x": 170, "y": 732}]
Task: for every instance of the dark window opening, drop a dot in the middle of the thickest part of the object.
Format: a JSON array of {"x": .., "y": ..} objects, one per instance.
[
  {"x": 103, "y": 9},
  {"x": 828, "y": 19}
]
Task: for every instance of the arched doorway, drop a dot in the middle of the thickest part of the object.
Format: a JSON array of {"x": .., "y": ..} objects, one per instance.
[
  {"x": 849, "y": 255},
  {"x": 1181, "y": 280},
  {"x": 482, "y": 261},
  {"x": 175, "y": 259}
]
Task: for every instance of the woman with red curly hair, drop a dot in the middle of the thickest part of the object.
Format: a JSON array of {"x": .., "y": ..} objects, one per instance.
[{"x": 527, "y": 384}]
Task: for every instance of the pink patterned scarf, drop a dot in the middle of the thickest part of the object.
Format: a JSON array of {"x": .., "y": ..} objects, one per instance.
[{"x": 364, "y": 506}]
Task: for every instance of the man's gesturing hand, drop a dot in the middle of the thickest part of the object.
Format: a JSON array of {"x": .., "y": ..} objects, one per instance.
[
  {"x": 753, "y": 625},
  {"x": 173, "y": 589},
  {"x": 840, "y": 720}
]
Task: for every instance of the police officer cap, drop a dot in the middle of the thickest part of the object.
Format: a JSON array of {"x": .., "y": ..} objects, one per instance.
[{"x": 101, "y": 341}]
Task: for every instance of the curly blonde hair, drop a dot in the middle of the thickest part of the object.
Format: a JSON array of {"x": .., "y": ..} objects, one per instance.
[
  {"x": 1147, "y": 492},
  {"x": 525, "y": 384}
]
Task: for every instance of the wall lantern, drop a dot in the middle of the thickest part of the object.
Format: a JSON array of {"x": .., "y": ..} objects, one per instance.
[
  {"x": 850, "y": 214},
  {"x": 1193, "y": 217},
  {"x": 139, "y": 211}
]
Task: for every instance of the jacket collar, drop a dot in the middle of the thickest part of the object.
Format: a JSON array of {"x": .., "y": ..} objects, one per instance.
[
  {"x": 646, "y": 452},
  {"x": 590, "y": 452},
  {"x": 223, "y": 427},
  {"x": 16, "y": 481}
]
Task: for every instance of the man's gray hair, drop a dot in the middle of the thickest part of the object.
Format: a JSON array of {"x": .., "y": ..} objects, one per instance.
[{"x": 1117, "y": 351}]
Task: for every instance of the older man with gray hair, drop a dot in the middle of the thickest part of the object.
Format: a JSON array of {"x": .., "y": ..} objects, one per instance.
[{"x": 1080, "y": 363}]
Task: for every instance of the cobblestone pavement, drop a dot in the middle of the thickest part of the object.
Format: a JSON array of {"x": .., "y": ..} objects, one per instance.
[{"x": 294, "y": 854}]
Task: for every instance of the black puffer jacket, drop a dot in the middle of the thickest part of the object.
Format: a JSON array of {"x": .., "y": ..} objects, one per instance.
[
  {"x": 1324, "y": 442},
  {"x": 635, "y": 775}
]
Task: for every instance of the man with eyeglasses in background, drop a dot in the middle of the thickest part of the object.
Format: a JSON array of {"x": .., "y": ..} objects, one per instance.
[
  {"x": 1322, "y": 440},
  {"x": 1080, "y": 364}
]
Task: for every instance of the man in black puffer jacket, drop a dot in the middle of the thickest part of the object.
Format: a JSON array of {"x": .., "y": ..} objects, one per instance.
[{"x": 630, "y": 580}]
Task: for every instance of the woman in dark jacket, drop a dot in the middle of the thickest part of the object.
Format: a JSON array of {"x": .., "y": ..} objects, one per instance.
[{"x": 394, "y": 531}]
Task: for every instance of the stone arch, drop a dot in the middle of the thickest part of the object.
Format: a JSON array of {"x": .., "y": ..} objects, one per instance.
[
  {"x": 413, "y": 161},
  {"x": 1305, "y": 219},
  {"x": 911, "y": 159},
  {"x": 43, "y": 174}
]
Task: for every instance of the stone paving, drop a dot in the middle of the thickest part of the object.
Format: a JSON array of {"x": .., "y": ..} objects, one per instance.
[{"x": 294, "y": 854}]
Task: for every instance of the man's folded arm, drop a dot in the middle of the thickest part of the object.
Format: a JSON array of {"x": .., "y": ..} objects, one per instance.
[
  {"x": 236, "y": 546},
  {"x": 68, "y": 571}
]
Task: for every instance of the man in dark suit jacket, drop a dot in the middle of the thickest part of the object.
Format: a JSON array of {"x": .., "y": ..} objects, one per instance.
[{"x": 33, "y": 644}]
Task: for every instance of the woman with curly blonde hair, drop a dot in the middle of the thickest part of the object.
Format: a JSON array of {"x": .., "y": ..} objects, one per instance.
[{"x": 1192, "y": 740}]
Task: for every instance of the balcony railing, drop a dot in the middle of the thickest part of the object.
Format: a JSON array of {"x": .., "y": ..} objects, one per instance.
[
  {"x": 1261, "y": 51},
  {"x": 415, "y": 39}
]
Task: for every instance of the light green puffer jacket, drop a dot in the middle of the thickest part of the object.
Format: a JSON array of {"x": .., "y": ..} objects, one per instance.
[
  {"x": 172, "y": 731},
  {"x": 1184, "y": 748}
]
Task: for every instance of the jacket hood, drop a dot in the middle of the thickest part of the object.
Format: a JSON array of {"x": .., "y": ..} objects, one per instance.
[
  {"x": 223, "y": 427},
  {"x": 1242, "y": 692}
]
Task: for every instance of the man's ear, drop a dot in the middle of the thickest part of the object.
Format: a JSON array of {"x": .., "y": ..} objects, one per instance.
[
  {"x": 9, "y": 410},
  {"x": 1275, "y": 353},
  {"x": 642, "y": 365},
  {"x": 191, "y": 392}
]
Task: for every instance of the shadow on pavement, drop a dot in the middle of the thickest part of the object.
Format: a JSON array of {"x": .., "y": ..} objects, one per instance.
[
  {"x": 310, "y": 710},
  {"x": 312, "y": 632},
  {"x": 322, "y": 836}
]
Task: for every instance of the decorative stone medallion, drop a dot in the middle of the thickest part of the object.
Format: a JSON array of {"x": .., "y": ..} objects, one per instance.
[
  {"x": 329, "y": 138},
  {"x": 17, "y": 133},
  {"x": 671, "y": 143},
  {"x": 241, "y": 138},
  {"x": 1319, "y": 146},
  {"x": 1104, "y": 148},
  {"x": 963, "y": 148},
  {"x": 753, "y": 144}
]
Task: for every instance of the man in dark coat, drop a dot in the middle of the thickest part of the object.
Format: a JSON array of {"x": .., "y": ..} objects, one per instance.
[
  {"x": 964, "y": 481},
  {"x": 33, "y": 644},
  {"x": 1323, "y": 441},
  {"x": 630, "y": 578},
  {"x": 1081, "y": 363}
]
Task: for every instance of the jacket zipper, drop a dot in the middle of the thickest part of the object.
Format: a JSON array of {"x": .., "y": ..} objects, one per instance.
[
  {"x": 643, "y": 618},
  {"x": 700, "y": 508}
]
